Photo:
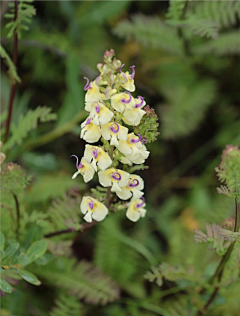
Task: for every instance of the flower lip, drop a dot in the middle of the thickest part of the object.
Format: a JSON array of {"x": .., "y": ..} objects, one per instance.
[
  {"x": 91, "y": 203},
  {"x": 88, "y": 121},
  {"x": 144, "y": 140},
  {"x": 133, "y": 73},
  {"x": 78, "y": 166},
  {"x": 97, "y": 107},
  {"x": 120, "y": 68},
  {"x": 87, "y": 85},
  {"x": 116, "y": 176},
  {"x": 127, "y": 101},
  {"x": 140, "y": 204},
  {"x": 113, "y": 128},
  {"x": 133, "y": 184},
  {"x": 141, "y": 103},
  {"x": 95, "y": 153}
]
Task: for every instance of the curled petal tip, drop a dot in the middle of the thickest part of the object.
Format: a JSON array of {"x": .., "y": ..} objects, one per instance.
[{"x": 87, "y": 85}]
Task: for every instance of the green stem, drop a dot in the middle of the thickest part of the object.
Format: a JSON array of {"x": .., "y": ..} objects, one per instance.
[
  {"x": 219, "y": 271},
  {"x": 12, "y": 92}
]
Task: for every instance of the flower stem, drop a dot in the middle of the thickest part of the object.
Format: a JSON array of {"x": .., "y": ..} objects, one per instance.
[
  {"x": 219, "y": 271},
  {"x": 12, "y": 91}
]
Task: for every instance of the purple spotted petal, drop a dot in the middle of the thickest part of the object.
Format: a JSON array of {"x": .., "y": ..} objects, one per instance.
[
  {"x": 87, "y": 85},
  {"x": 114, "y": 129},
  {"x": 133, "y": 184},
  {"x": 91, "y": 204},
  {"x": 116, "y": 176},
  {"x": 95, "y": 153},
  {"x": 97, "y": 107},
  {"x": 88, "y": 121},
  {"x": 140, "y": 204},
  {"x": 127, "y": 101},
  {"x": 138, "y": 105}
]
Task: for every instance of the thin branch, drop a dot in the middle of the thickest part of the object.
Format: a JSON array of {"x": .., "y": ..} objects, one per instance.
[
  {"x": 180, "y": 32},
  {"x": 18, "y": 213},
  {"x": 12, "y": 91}
]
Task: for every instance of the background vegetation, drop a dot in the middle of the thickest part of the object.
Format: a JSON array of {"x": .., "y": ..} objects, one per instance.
[{"x": 187, "y": 62}]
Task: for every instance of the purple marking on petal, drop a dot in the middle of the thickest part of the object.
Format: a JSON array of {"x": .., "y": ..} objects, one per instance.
[
  {"x": 78, "y": 166},
  {"x": 95, "y": 153},
  {"x": 144, "y": 140},
  {"x": 87, "y": 85},
  {"x": 97, "y": 107},
  {"x": 88, "y": 121},
  {"x": 113, "y": 129},
  {"x": 141, "y": 103},
  {"x": 133, "y": 72},
  {"x": 140, "y": 204},
  {"x": 91, "y": 203},
  {"x": 121, "y": 67},
  {"x": 133, "y": 184},
  {"x": 127, "y": 101},
  {"x": 116, "y": 176},
  {"x": 133, "y": 141}
]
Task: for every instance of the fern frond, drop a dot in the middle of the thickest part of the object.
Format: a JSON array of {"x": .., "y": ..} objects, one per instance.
[
  {"x": 24, "y": 15},
  {"x": 12, "y": 72},
  {"x": 151, "y": 32},
  {"x": 224, "y": 13},
  {"x": 66, "y": 305},
  {"x": 189, "y": 101},
  {"x": 27, "y": 123},
  {"x": 81, "y": 279},
  {"x": 226, "y": 44},
  {"x": 175, "y": 9}
]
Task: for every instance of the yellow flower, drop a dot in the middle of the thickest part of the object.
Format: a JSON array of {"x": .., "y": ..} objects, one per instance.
[
  {"x": 96, "y": 156},
  {"x": 133, "y": 188},
  {"x": 136, "y": 209},
  {"x": 85, "y": 169},
  {"x": 93, "y": 209},
  {"x": 119, "y": 101},
  {"x": 114, "y": 131},
  {"x": 90, "y": 133},
  {"x": 113, "y": 177},
  {"x": 133, "y": 114},
  {"x": 100, "y": 113}
]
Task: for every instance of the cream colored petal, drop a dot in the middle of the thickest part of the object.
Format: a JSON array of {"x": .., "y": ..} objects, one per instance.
[
  {"x": 135, "y": 160},
  {"x": 136, "y": 193},
  {"x": 88, "y": 106},
  {"x": 104, "y": 178},
  {"x": 75, "y": 175},
  {"x": 125, "y": 194},
  {"x": 88, "y": 152},
  {"x": 115, "y": 187},
  {"x": 132, "y": 214},
  {"x": 88, "y": 173},
  {"x": 142, "y": 211},
  {"x": 114, "y": 141},
  {"x": 123, "y": 132},
  {"x": 100, "y": 212},
  {"x": 131, "y": 115},
  {"x": 124, "y": 148},
  {"x": 84, "y": 204},
  {"x": 124, "y": 178},
  {"x": 88, "y": 217},
  {"x": 92, "y": 135},
  {"x": 116, "y": 102},
  {"x": 104, "y": 161},
  {"x": 135, "y": 151},
  {"x": 95, "y": 120},
  {"x": 93, "y": 94},
  {"x": 126, "y": 161},
  {"x": 105, "y": 115},
  {"x": 105, "y": 132}
]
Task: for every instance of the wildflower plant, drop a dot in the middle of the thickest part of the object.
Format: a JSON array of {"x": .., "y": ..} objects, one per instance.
[{"x": 113, "y": 113}]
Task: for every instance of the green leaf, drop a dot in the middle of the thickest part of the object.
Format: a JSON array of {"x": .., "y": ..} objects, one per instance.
[
  {"x": 9, "y": 252},
  {"x": 36, "y": 250},
  {"x": 5, "y": 286},
  {"x": 2, "y": 241},
  {"x": 23, "y": 259},
  {"x": 29, "y": 277},
  {"x": 2, "y": 254}
]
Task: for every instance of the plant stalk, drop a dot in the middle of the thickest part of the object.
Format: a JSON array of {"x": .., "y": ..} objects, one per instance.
[{"x": 13, "y": 86}]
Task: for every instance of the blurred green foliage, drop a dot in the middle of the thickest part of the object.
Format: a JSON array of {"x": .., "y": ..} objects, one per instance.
[{"x": 187, "y": 62}]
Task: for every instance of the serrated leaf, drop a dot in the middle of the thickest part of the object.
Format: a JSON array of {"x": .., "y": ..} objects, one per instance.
[
  {"x": 29, "y": 277},
  {"x": 36, "y": 250},
  {"x": 5, "y": 286}
]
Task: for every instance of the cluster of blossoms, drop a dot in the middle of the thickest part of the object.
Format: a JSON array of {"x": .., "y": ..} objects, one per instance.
[{"x": 110, "y": 104}]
